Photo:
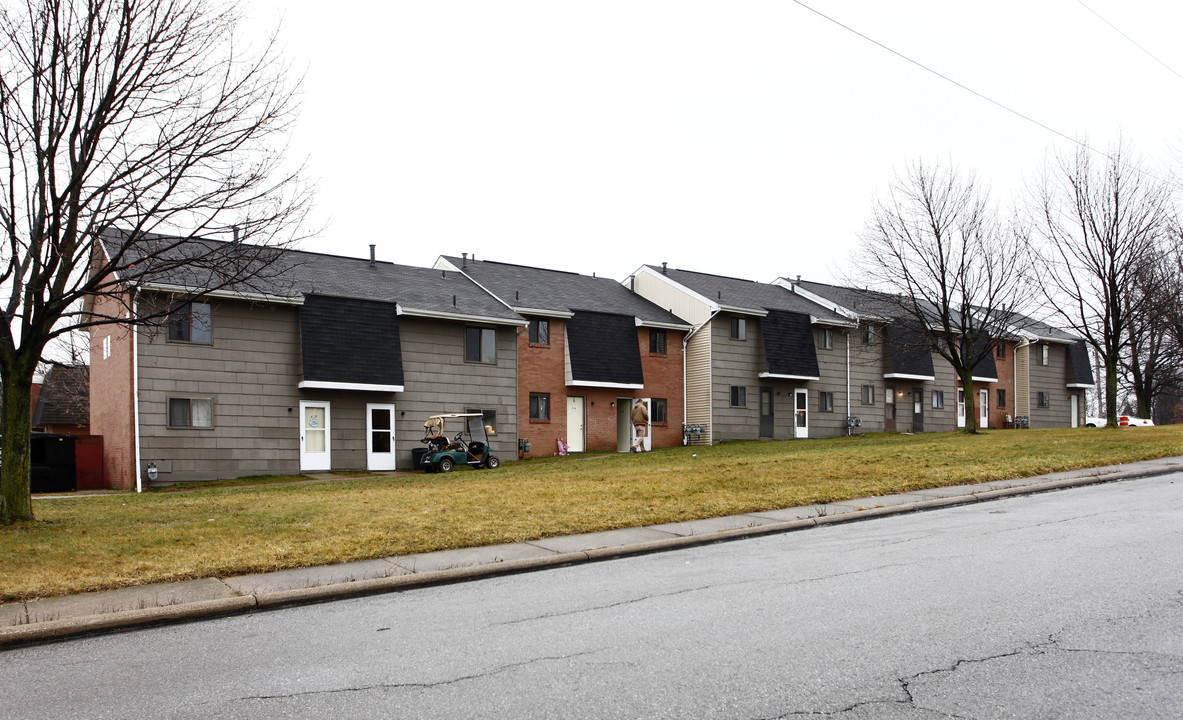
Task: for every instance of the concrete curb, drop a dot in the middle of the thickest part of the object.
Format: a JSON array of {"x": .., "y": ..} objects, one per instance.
[{"x": 38, "y": 632}]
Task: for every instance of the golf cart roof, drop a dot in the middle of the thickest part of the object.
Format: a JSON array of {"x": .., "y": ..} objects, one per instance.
[{"x": 445, "y": 416}]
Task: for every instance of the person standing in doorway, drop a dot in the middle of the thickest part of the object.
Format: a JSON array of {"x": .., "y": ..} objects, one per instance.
[{"x": 640, "y": 418}]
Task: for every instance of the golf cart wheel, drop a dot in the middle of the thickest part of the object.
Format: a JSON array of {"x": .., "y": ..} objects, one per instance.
[
  {"x": 445, "y": 465},
  {"x": 492, "y": 462}
]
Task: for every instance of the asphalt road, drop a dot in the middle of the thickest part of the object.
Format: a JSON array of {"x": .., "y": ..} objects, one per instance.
[{"x": 1062, "y": 605}]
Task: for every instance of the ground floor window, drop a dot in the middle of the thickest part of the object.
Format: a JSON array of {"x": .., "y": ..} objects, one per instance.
[
  {"x": 190, "y": 412},
  {"x": 868, "y": 394},
  {"x": 938, "y": 399},
  {"x": 739, "y": 396},
  {"x": 658, "y": 413},
  {"x": 1001, "y": 398},
  {"x": 488, "y": 416},
  {"x": 825, "y": 401},
  {"x": 540, "y": 406},
  {"x": 1045, "y": 400}
]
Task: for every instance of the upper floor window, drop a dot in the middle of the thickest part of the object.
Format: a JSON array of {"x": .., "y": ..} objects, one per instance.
[
  {"x": 657, "y": 342},
  {"x": 868, "y": 334},
  {"x": 1000, "y": 350},
  {"x": 825, "y": 339},
  {"x": 540, "y": 332},
  {"x": 189, "y": 322},
  {"x": 1041, "y": 353},
  {"x": 480, "y": 345},
  {"x": 739, "y": 329}
]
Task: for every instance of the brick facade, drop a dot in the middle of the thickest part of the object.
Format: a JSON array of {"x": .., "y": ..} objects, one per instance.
[
  {"x": 112, "y": 409},
  {"x": 542, "y": 369}
]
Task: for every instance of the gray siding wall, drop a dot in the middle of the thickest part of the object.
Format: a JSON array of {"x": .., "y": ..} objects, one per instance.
[
  {"x": 942, "y": 419},
  {"x": 831, "y": 366},
  {"x": 438, "y": 380},
  {"x": 866, "y": 368},
  {"x": 251, "y": 372},
  {"x": 1052, "y": 379}
]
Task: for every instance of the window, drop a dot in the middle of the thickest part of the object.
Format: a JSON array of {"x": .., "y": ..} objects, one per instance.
[
  {"x": 540, "y": 406},
  {"x": 739, "y": 396},
  {"x": 106, "y": 347},
  {"x": 540, "y": 332},
  {"x": 889, "y": 404},
  {"x": 658, "y": 414},
  {"x": 868, "y": 394},
  {"x": 938, "y": 399},
  {"x": 657, "y": 342},
  {"x": 1045, "y": 400},
  {"x": 1041, "y": 353},
  {"x": 190, "y": 413},
  {"x": 488, "y": 417},
  {"x": 189, "y": 322},
  {"x": 825, "y": 339},
  {"x": 825, "y": 402},
  {"x": 1000, "y": 350},
  {"x": 868, "y": 334},
  {"x": 480, "y": 345},
  {"x": 1001, "y": 398},
  {"x": 739, "y": 329}
]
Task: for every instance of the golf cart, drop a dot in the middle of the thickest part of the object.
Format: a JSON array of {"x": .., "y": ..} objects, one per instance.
[{"x": 443, "y": 454}]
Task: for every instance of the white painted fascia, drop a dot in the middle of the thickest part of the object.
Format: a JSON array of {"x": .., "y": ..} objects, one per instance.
[
  {"x": 777, "y": 376},
  {"x": 685, "y": 327},
  {"x": 225, "y": 294},
  {"x": 736, "y": 310},
  {"x": 832, "y": 323},
  {"x": 905, "y": 376},
  {"x": 975, "y": 378},
  {"x": 438, "y": 315},
  {"x": 541, "y": 312},
  {"x": 823, "y": 301},
  {"x": 325, "y": 385},
  {"x": 623, "y": 386},
  {"x": 1081, "y": 386}
]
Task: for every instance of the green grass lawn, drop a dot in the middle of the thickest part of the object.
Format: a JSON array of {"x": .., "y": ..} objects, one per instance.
[{"x": 93, "y": 543}]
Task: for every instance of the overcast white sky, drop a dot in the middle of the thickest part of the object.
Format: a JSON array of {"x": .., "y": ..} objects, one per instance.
[{"x": 742, "y": 138}]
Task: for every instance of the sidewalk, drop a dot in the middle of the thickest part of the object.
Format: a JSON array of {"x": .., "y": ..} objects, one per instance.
[{"x": 75, "y": 615}]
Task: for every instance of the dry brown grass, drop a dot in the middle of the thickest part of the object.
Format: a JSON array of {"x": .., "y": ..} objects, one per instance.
[{"x": 126, "y": 539}]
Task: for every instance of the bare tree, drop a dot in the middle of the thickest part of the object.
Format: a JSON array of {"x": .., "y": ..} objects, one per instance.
[
  {"x": 1152, "y": 357},
  {"x": 956, "y": 268},
  {"x": 127, "y": 129},
  {"x": 1101, "y": 225}
]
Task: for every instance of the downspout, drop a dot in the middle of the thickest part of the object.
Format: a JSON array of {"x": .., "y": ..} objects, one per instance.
[
  {"x": 135, "y": 391},
  {"x": 848, "y": 430}
]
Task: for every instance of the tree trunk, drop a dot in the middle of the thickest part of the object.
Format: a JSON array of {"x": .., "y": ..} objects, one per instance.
[
  {"x": 16, "y": 425},
  {"x": 1111, "y": 390},
  {"x": 971, "y": 417}
]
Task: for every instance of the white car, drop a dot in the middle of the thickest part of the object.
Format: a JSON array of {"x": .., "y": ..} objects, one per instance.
[{"x": 1122, "y": 421}]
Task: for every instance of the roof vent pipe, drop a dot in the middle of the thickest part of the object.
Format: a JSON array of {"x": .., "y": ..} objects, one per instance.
[
  {"x": 235, "y": 233},
  {"x": 453, "y": 301},
  {"x": 464, "y": 263},
  {"x": 372, "y": 255},
  {"x": 663, "y": 272},
  {"x": 798, "y": 279}
]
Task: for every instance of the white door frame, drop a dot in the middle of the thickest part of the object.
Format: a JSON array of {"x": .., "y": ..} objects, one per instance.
[
  {"x": 960, "y": 407},
  {"x": 800, "y": 413},
  {"x": 1074, "y": 404},
  {"x": 379, "y": 460},
  {"x": 647, "y": 443},
  {"x": 576, "y": 419},
  {"x": 983, "y": 408},
  {"x": 314, "y": 461}
]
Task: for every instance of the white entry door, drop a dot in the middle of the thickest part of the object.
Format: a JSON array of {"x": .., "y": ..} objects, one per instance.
[
  {"x": 647, "y": 443},
  {"x": 315, "y": 450},
  {"x": 983, "y": 409},
  {"x": 380, "y": 436},
  {"x": 801, "y": 413},
  {"x": 960, "y": 407},
  {"x": 1074, "y": 405},
  {"x": 574, "y": 423}
]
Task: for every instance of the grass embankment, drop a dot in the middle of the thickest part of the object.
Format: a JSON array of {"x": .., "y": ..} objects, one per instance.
[{"x": 127, "y": 539}]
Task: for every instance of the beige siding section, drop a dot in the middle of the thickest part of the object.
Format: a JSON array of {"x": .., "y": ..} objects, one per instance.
[
  {"x": 1053, "y": 380},
  {"x": 1023, "y": 380},
  {"x": 668, "y": 297},
  {"x": 698, "y": 383},
  {"x": 866, "y": 368},
  {"x": 735, "y": 363}
]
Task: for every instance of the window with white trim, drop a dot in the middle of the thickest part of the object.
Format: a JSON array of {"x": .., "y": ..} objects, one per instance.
[
  {"x": 739, "y": 396},
  {"x": 480, "y": 345},
  {"x": 539, "y": 332},
  {"x": 106, "y": 347},
  {"x": 938, "y": 399},
  {"x": 825, "y": 339},
  {"x": 540, "y": 406},
  {"x": 190, "y": 322},
  {"x": 739, "y": 329},
  {"x": 825, "y": 402},
  {"x": 1045, "y": 400},
  {"x": 868, "y": 394}
]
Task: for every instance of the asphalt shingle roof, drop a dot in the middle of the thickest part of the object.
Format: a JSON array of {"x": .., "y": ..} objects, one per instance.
[
  {"x": 525, "y": 287},
  {"x": 65, "y": 397},
  {"x": 749, "y": 294},
  {"x": 296, "y": 273},
  {"x": 603, "y": 348}
]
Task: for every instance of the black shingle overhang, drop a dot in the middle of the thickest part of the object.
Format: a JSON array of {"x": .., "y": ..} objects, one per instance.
[
  {"x": 350, "y": 341},
  {"x": 604, "y": 348},
  {"x": 788, "y": 344}
]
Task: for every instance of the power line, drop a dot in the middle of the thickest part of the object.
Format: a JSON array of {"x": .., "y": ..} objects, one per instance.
[
  {"x": 1133, "y": 42},
  {"x": 948, "y": 79}
]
